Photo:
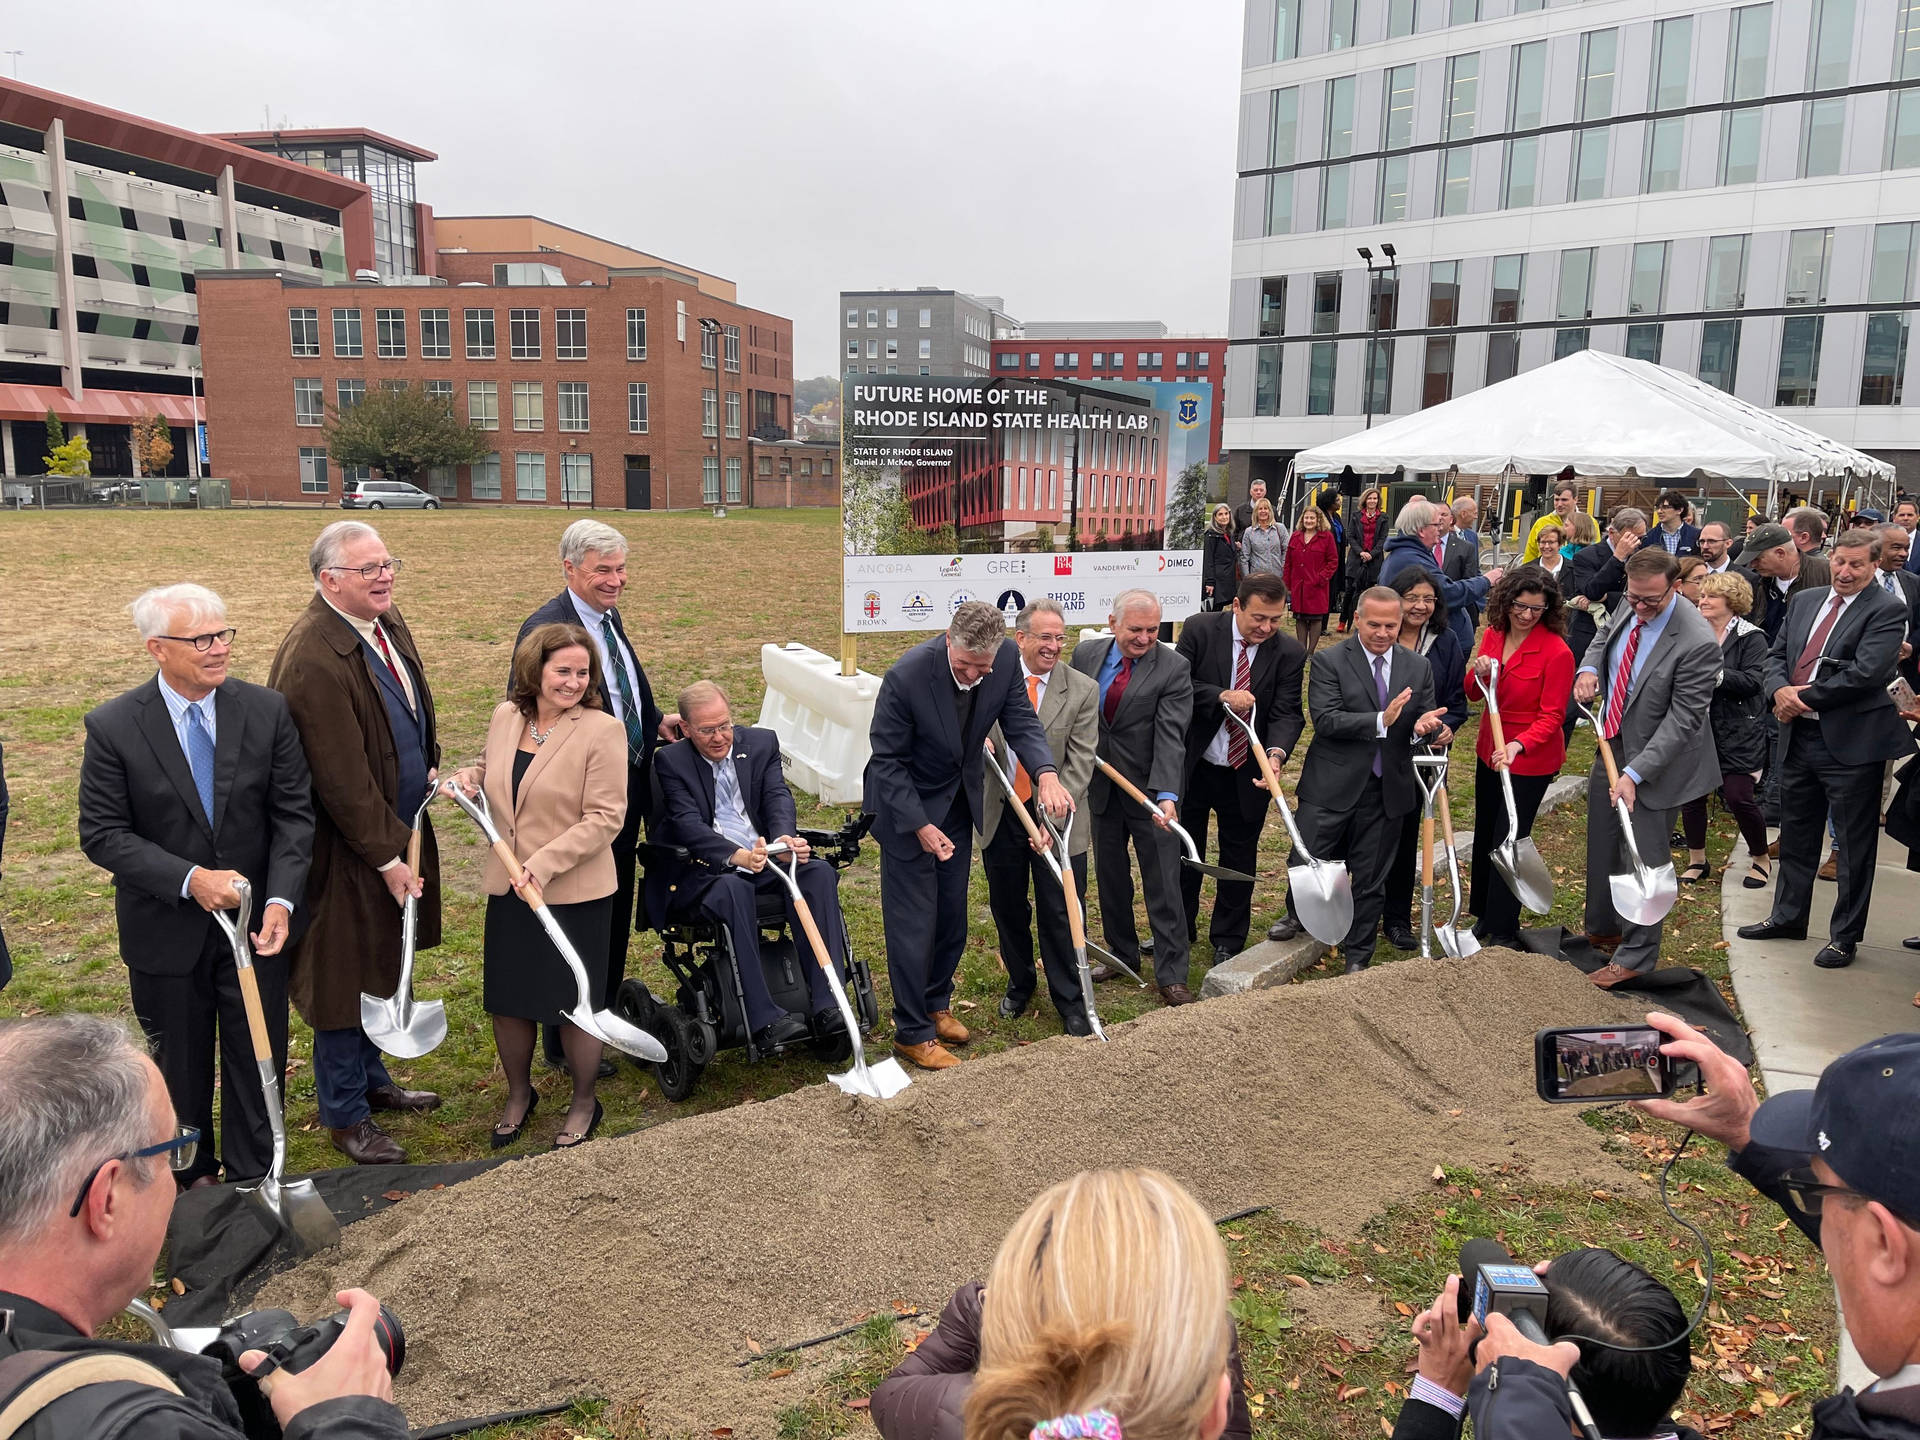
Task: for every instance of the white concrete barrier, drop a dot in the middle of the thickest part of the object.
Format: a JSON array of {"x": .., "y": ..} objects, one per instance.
[{"x": 822, "y": 718}]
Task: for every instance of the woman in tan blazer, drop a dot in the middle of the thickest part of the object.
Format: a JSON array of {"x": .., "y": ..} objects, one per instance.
[{"x": 555, "y": 775}]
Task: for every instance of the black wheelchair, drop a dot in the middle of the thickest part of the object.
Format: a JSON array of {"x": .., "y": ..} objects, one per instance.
[{"x": 708, "y": 1013}]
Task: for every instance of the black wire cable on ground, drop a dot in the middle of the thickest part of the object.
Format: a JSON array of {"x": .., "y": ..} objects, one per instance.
[{"x": 505, "y": 1417}]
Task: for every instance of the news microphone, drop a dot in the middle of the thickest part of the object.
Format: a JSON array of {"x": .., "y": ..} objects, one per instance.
[{"x": 1492, "y": 1282}]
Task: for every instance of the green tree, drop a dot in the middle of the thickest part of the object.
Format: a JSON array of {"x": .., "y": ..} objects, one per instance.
[
  {"x": 402, "y": 433},
  {"x": 56, "y": 432},
  {"x": 152, "y": 445},
  {"x": 74, "y": 457},
  {"x": 1187, "y": 511}
]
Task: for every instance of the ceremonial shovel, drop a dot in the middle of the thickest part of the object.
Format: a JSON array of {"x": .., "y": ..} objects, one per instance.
[
  {"x": 603, "y": 1025},
  {"x": 295, "y": 1205},
  {"x": 1322, "y": 889},
  {"x": 1646, "y": 893},
  {"x": 1061, "y": 864},
  {"x": 403, "y": 1027},
  {"x": 1519, "y": 861},
  {"x": 1192, "y": 857},
  {"x": 1426, "y": 770},
  {"x": 1455, "y": 942},
  {"x": 882, "y": 1081}
]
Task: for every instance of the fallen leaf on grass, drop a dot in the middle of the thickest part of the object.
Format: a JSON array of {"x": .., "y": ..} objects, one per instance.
[
  {"x": 965, "y": 1005},
  {"x": 1344, "y": 1345},
  {"x": 1299, "y": 1282},
  {"x": 1386, "y": 1427},
  {"x": 1403, "y": 1307},
  {"x": 1349, "y": 1392},
  {"x": 859, "y": 1404},
  {"x": 1333, "y": 1374},
  {"x": 177, "y": 1285},
  {"x": 1439, "y": 1175},
  {"x": 754, "y": 1345},
  {"x": 781, "y": 1373},
  {"x": 1294, "y": 1383},
  {"x": 721, "y": 1432}
]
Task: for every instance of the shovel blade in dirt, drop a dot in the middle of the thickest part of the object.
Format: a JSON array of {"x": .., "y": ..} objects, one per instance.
[{"x": 401, "y": 1026}]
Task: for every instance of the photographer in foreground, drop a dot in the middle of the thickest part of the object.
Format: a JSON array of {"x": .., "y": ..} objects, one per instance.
[
  {"x": 1843, "y": 1161},
  {"x": 87, "y": 1136}
]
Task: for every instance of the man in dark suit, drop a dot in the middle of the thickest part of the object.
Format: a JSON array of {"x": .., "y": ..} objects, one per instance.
[
  {"x": 593, "y": 562},
  {"x": 923, "y": 786},
  {"x": 1903, "y": 585},
  {"x": 1827, "y": 678},
  {"x": 1672, "y": 531},
  {"x": 1906, "y": 514},
  {"x": 1239, "y": 659},
  {"x": 1460, "y": 551},
  {"x": 1146, "y": 703},
  {"x": 190, "y": 783},
  {"x": 1243, "y": 514},
  {"x": 723, "y": 797},
  {"x": 1369, "y": 697}
]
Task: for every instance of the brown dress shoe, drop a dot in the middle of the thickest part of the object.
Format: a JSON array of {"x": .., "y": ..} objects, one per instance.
[
  {"x": 1608, "y": 976},
  {"x": 1830, "y": 867},
  {"x": 950, "y": 1030},
  {"x": 927, "y": 1055},
  {"x": 367, "y": 1144},
  {"x": 1175, "y": 995},
  {"x": 392, "y": 1097}
]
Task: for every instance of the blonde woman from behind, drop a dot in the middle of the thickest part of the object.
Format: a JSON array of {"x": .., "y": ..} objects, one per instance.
[{"x": 1106, "y": 1317}]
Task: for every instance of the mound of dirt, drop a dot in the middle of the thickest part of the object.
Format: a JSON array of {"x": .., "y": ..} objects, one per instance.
[{"x": 638, "y": 1267}]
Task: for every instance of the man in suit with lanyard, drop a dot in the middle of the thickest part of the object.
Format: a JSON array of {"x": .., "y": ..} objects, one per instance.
[
  {"x": 923, "y": 786},
  {"x": 1069, "y": 708},
  {"x": 1238, "y": 659},
  {"x": 593, "y": 562},
  {"x": 1827, "y": 678},
  {"x": 189, "y": 783}
]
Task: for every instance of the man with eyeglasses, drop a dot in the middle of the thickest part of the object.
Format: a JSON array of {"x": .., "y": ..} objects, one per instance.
[
  {"x": 353, "y": 679},
  {"x": 190, "y": 784},
  {"x": 87, "y": 1140},
  {"x": 722, "y": 794},
  {"x": 1653, "y": 674}
]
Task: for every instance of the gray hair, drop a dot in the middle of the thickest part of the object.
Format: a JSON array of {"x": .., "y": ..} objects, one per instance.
[
  {"x": 1463, "y": 504},
  {"x": 161, "y": 608},
  {"x": 700, "y": 692},
  {"x": 1887, "y": 532},
  {"x": 73, "y": 1092},
  {"x": 1132, "y": 600},
  {"x": 1023, "y": 622},
  {"x": 583, "y": 537},
  {"x": 1416, "y": 515},
  {"x": 977, "y": 628},
  {"x": 1625, "y": 517},
  {"x": 332, "y": 542}
]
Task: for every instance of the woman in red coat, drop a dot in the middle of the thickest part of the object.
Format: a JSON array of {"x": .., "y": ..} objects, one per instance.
[
  {"x": 1526, "y": 634},
  {"x": 1313, "y": 559}
]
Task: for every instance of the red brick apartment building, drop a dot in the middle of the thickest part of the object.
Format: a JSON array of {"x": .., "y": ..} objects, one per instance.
[{"x": 1113, "y": 351}]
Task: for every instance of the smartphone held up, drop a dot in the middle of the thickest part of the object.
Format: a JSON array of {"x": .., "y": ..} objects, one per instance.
[{"x": 1586, "y": 1065}]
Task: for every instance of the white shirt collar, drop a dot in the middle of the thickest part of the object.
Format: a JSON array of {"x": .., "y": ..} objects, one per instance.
[{"x": 586, "y": 612}]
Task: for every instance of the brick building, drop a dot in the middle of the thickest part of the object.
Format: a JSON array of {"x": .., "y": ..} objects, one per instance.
[
  {"x": 621, "y": 386},
  {"x": 795, "y": 474},
  {"x": 1115, "y": 350}
]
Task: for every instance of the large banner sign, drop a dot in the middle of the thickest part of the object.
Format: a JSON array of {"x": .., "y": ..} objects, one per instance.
[{"x": 1010, "y": 489}]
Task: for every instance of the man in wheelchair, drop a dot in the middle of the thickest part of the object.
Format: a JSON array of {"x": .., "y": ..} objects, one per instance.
[{"x": 722, "y": 794}]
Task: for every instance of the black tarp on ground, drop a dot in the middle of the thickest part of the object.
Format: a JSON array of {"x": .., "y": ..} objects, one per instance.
[{"x": 1677, "y": 989}]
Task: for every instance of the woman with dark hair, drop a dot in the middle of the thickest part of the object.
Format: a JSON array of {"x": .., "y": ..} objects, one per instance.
[
  {"x": 1220, "y": 561},
  {"x": 1423, "y": 630},
  {"x": 1739, "y": 731},
  {"x": 1366, "y": 551},
  {"x": 555, "y": 775},
  {"x": 1526, "y": 636},
  {"x": 1313, "y": 559}
]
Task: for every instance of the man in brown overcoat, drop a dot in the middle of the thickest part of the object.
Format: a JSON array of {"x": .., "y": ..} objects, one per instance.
[{"x": 353, "y": 679}]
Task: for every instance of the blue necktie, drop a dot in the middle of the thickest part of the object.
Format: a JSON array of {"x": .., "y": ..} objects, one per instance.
[
  {"x": 729, "y": 807},
  {"x": 200, "y": 758}
]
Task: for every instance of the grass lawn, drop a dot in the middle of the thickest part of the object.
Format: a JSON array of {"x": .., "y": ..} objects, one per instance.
[{"x": 1322, "y": 1317}]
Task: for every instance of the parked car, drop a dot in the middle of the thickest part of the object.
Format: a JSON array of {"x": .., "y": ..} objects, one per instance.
[{"x": 385, "y": 495}]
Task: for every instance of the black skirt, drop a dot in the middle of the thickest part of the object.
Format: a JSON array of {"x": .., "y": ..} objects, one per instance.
[{"x": 524, "y": 975}]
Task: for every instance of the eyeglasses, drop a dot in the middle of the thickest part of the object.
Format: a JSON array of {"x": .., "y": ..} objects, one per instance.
[
  {"x": 1648, "y": 602},
  {"x": 372, "y": 571},
  {"x": 1519, "y": 609},
  {"x": 204, "y": 642},
  {"x": 708, "y": 732},
  {"x": 180, "y": 1151},
  {"x": 1809, "y": 1195}
]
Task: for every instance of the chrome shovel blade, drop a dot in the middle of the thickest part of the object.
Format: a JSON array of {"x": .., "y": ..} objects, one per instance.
[
  {"x": 1645, "y": 893},
  {"x": 623, "y": 1035},
  {"x": 1323, "y": 896},
  {"x": 400, "y": 1034}
]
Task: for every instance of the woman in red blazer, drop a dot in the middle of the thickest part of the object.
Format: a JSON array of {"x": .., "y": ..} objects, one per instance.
[
  {"x": 1313, "y": 559},
  {"x": 1526, "y": 633}
]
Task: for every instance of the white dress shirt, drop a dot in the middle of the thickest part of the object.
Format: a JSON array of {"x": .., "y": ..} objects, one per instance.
[
  {"x": 590, "y": 622},
  {"x": 1216, "y": 751},
  {"x": 177, "y": 707}
]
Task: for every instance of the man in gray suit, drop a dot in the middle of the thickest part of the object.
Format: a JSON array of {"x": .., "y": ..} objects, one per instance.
[
  {"x": 1069, "y": 706},
  {"x": 1146, "y": 702},
  {"x": 1660, "y": 662}
]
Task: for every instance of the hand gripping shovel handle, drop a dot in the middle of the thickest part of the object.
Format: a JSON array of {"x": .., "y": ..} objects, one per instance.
[
  {"x": 1500, "y": 748},
  {"x": 1268, "y": 774},
  {"x": 1613, "y": 780},
  {"x": 250, "y": 994}
]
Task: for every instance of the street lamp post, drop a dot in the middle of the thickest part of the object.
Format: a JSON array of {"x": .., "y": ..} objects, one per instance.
[{"x": 1373, "y": 331}]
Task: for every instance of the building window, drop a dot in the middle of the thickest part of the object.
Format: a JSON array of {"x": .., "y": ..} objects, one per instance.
[
  {"x": 309, "y": 402},
  {"x": 313, "y": 470},
  {"x": 523, "y": 331},
  {"x": 710, "y": 414},
  {"x": 1333, "y": 196},
  {"x": 1660, "y": 159},
  {"x": 1726, "y": 273},
  {"x": 1808, "y": 253},
  {"x": 1647, "y": 284},
  {"x": 1279, "y": 204},
  {"x": 1397, "y": 123},
  {"x": 1463, "y": 91},
  {"x": 440, "y": 390},
  {"x": 1283, "y": 131},
  {"x": 1320, "y": 376},
  {"x": 893, "y": 349},
  {"x": 1266, "y": 380},
  {"x": 1200, "y": 360},
  {"x": 1273, "y": 311},
  {"x": 926, "y": 351},
  {"x": 733, "y": 414},
  {"x": 1339, "y": 24},
  {"x": 1379, "y": 376},
  {"x": 576, "y": 479},
  {"x": 573, "y": 404},
  {"x": 1099, "y": 360},
  {"x": 1798, "y": 382},
  {"x": 637, "y": 333},
  {"x": 710, "y": 346},
  {"x": 436, "y": 335},
  {"x": 1337, "y": 132},
  {"x": 1569, "y": 342},
  {"x": 393, "y": 387},
  {"x": 1503, "y": 356},
  {"x": 529, "y": 405},
  {"x": 1903, "y": 117},
  {"x": 1286, "y": 29},
  {"x": 349, "y": 393},
  {"x": 1883, "y": 372},
  {"x": 1667, "y": 90},
  {"x": 853, "y": 349},
  {"x": 483, "y": 404},
  {"x": 1462, "y": 12},
  {"x": 1575, "y": 299},
  {"x": 1390, "y": 204},
  {"x": 893, "y": 318},
  {"x": 731, "y": 335},
  {"x": 926, "y": 318},
  {"x": 873, "y": 319},
  {"x": 1326, "y": 303},
  {"x": 1595, "y": 94},
  {"x": 1437, "y": 387},
  {"x": 483, "y": 478},
  {"x": 305, "y": 325},
  {"x": 1456, "y": 181},
  {"x": 569, "y": 335},
  {"x": 637, "y": 408},
  {"x": 710, "y": 480},
  {"x": 480, "y": 344},
  {"x": 1739, "y": 160},
  {"x": 1399, "y": 18},
  {"x": 346, "y": 335},
  {"x": 1643, "y": 342},
  {"x": 530, "y": 476},
  {"x": 1443, "y": 293},
  {"x": 390, "y": 334},
  {"x": 1823, "y": 125},
  {"x": 441, "y": 481},
  {"x": 853, "y": 319},
  {"x": 733, "y": 480}
]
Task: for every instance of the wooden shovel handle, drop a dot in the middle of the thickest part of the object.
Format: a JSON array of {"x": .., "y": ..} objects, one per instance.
[
  {"x": 801, "y": 908},
  {"x": 1441, "y": 804},
  {"x": 413, "y": 853},
  {"x": 1606, "y": 752},
  {"x": 1499, "y": 730},
  {"x": 1426, "y": 850},
  {"x": 530, "y": 892},
  {"x": 256, "y": 1015},
  {"x": 1125, "y": 784},
  {"x": 1266, "y": 766},
  {"x": 1076, "y": 924}
]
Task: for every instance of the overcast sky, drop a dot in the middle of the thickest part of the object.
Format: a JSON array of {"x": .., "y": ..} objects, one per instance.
[{"x": 1074, "y": 156}]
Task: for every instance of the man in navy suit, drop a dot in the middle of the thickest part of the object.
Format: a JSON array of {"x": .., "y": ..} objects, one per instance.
[
  {"x": 722, "y": 794},
  {"x": 593, "y": 561},
  {"x": 923, "y": 786}
]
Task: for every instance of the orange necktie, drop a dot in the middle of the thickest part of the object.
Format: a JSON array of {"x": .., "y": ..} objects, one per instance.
[{"x": 1022, "y": 785}]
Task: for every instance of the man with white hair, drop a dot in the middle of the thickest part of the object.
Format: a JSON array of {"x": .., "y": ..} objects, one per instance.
[
  {"x": 190, "y": 783},
  {"x": 358, "y": 692},
  {"x": 593, "y": 563}
]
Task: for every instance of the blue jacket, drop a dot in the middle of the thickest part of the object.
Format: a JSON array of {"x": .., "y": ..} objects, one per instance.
[
  {"x": 684, "y": 816},
  {"x": 1405, "y": 552}
]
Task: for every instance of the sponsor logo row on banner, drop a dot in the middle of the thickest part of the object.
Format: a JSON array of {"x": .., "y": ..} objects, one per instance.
[{"x": 921, "y": 592}]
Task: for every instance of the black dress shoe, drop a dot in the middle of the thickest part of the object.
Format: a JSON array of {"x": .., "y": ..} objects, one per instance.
[
  {"x": 1402, "y": 938},
  {"x": 1354, "y": 967},
  {"x": 1076, "y": 1024},
  {"x": 787, "y": 1030},
  {"x": 1912, "y": 942},
  {"x": 1222, "y": 954},
  {"x": 1146, "y": 946},
  {"x": 504, "y": 1134},
  {"x": 1771, "y": 930},
  {"x": 1012, "y": 1009},
  {"x": 1285, "y": 928},
  {"x": 392, "y": 1097},
  {"x": 1835, "y": 955}
]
